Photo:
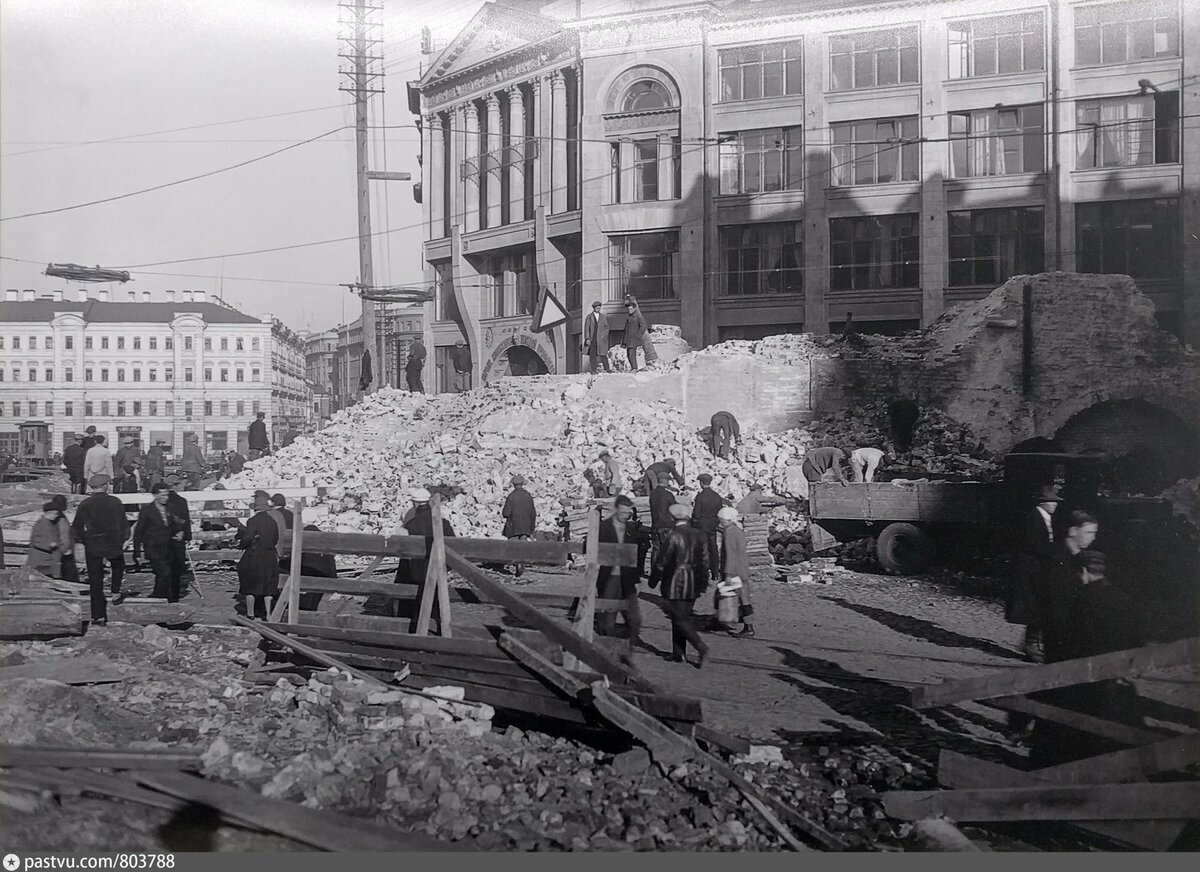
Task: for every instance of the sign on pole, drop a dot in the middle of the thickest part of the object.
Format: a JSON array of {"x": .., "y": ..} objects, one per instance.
[{"x": 548, "y": 314}]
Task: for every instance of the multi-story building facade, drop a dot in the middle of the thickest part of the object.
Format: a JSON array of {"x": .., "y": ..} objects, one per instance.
[
  {"x": 750, "y": 168},
  {"x": 150, "y": 366},
  {"x": 291, "y": 393},
  {"x": 319, "y": 351}
]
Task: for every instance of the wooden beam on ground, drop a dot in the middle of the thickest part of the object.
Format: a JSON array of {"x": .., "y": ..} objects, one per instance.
[
  {"x": 327, "y": 830},
  {"x": 77, "y": 782},
  {"x": 962, "y": 771},
  {"x": 97, "y": 669},
  {"x": 223, "y": 496},
  {"x": 559, "y": 631},
  {"x": 22, "y": 756},
  {"x": 1132, "y": 764},
  {"x": 27, "y": 617},
  {"x": 1087, "y": 802},
  {"x": 397, "y": 641},
  {"x": 309, "y": 652},
  {"x": 1030, "y": 679},
  {"x": 667, "y": 747},
  {"x": 526, "y": 656},
  {"x": 530, "y": 551},
  {"x": 585, "y": 616},
  {"x": 732, "y": 744},
  {"x": 222, "y": 555},
  {"x": 1107, "y": 729}
]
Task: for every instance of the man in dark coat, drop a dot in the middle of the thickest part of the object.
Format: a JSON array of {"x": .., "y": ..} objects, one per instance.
[
  {"x": 414, "y": 569},
  {"x": 126, "y": 465},
  {"x": 236, "y": 463},
  {"x": 620, "y": 582},
  {"x": 1033, "y": 563},
  {"x": 460, "y": 357},
  {"x": 595, "y": 338},
  {"x": 661, "y": 520},
  {"x": 156, "y": 464},
  {"x": 311, "y": 563},
  {"x": 724, "y": 430},
  {"x": 635, "y": 333},
  {"x": 824, "y": 464},
  {"x": 100, "y": 524},
  {"x": 684, "y": 574},
  {"x": 160, "y": 534},
  {"x": 73, "y": 456},
  {"x": 659, "y": 468},
  {"x": 704, "y": 518},
  {"x": 89, "y": 438},
  {"x": 258, "y": 570},
  {"x": 1061, "y": 591},
  {"x": 257, "y": 437},
  {"x": 416, "y": 363},
  {"x": 289, "y": 435},
  {"x": 520, "y": 515}
]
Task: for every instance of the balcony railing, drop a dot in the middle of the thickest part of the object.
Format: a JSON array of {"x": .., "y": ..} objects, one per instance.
[{"x": 497, "y": 160}]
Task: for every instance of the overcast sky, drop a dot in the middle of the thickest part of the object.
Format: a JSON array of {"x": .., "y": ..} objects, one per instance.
[{"x": 78, "y": 70}]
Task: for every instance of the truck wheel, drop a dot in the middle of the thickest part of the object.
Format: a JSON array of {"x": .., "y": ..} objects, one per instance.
[{"x": 903, "y": 549}]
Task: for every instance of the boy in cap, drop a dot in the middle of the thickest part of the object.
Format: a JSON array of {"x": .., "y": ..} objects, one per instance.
[
  {"x": 100, "y": 524},
  {"x": 520, "y": 515}
]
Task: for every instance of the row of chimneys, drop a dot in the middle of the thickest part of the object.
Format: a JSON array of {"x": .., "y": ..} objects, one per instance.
[{"x": 82, "y": 295}]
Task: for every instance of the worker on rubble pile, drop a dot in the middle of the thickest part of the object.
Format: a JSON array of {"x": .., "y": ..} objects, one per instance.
[
  {"x": 824, "y": 464},
  {"x": 414, "y": 569},
  {"x": 661, "y": 520},
  {"x": 656, "y": 470},
  {"x": 684, "y": 574},
  {"x": 595, "y": 338},
  {"x": 612, "y": 473},
  {"x": 73, "y": 456},
  {"x": 159, "y": 534},
  {"x": 724, "y": 431},
  {"x": 1033, "y": 565},
  {"x": 599, "y": 490},
  {"x": 289, "y": 435},
  {"x": 50, "y": 541},
  {"x": 98, "y": 460},
  {"x": 902, "y": 418},
  {"x": 705, "y": 508},
  {"x": 236, "y": 462},
  {"x": 100, "y": 524},
  {"x": 751, "y": 503},
  {"x": 735, "y": 568},
  {"x": 257, "y": 439},
  {"x": 635, "y": 332},
  {"x": 620, "y": 582},
  {"x": 258, "y": 569},
  {"x": 520, "y": 515},
  {"x": 864, "y": 462}
]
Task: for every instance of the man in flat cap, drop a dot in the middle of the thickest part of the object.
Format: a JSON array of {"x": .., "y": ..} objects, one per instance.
[
  {"x": 704, "y": 518},
  {"x": 192, "y": 465},
  {"x": 100, "y": 524},
  {"x": 595, "y": 338},
  {"x": 520, "y": 515},
  {"x": 684, "y": 573},
  {"x": 461, "y": 358},
  {"x": 73, "y": 457},
  {"x": 1033, "y": 564}
]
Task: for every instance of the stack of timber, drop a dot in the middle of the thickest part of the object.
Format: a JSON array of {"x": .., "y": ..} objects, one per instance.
[
  {"x": 1111, "y": 795},
  {"x": 33, "y": 606},
  {"x": 757, "y": 528}
]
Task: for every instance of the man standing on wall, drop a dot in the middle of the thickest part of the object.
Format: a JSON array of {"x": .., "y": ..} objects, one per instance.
[
  {"x": 635, "y": 332},
  {"x": 595, "y": 338},
  {"x": 258, "y": 442},
  {"x": 416, "y": 363},
  {"x": 461, "y": 358}
]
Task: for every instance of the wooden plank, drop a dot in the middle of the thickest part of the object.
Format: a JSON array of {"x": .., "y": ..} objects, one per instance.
[
  {"x": 531, "y": 551},
  {"x": 312, "y": 653},
  {"x": 397, "y": 641},
  {"x": 585, "y": 617},
  {"x": 560, "y": 678},
  {"x": 560, "y": 632},
  {"x": 327, "y": 830},
  {"x": 77, "y": 782},
  {"x": 222, "y": 555},
  {"x": 547, "y": 706},
  {"x": 225, "y": 496},
  {"x": 24, "y": 618},
  {"x": 297, "y": 558},
  {"x": 1132, "y": 764},
  {"x": 664, "y": 745},
  {"x": 391, "y": 590},
  {"x": 1117, "y": 732},
  {"x": 1030, "y": 679},
  {"x": 732, "y": 744},
  {"x": 435, "y": 577},
  {"x": 93, "y": 669},
  {"x": 1087, "y": 802},
  {"x": 97, "y": 758},
  {"x": 962, "y": 771}
]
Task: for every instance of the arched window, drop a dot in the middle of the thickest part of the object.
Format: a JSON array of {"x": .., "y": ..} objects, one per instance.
[{"x": 646, "y": 94}]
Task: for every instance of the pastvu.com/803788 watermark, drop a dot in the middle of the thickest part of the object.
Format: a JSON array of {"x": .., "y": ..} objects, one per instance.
[{"x": 13, "y": 863}]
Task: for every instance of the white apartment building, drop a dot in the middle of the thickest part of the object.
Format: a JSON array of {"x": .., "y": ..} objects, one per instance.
[{"x": 153, "y": 366}]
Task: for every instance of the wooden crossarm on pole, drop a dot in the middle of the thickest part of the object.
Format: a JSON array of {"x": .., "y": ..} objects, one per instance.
[{"x": 1030, "y": 679}]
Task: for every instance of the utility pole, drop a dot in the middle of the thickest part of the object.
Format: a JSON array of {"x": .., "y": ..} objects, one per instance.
[{"x": 362, "y": 41}]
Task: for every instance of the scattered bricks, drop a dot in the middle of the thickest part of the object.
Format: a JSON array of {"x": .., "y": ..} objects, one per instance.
[{"x": 385, "y": 697}]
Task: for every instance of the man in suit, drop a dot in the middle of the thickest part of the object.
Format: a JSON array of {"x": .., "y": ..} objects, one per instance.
[
  {"x": 416, "y": 363},
  {"x": 704, "y": 518},
  {"x": 73, "y": 456},
  {"x": 1033, "y": 562},
  {"x": 620, "y": 582},
  {"x": 100, "y": 524},
  {"x": 98, "y": 460},
  {"x": 595, "y": 338},
  {"x": 635, "y": 333},
  {"x": 159, "y": 533},
  {"x": 193, "y": 461},
  {"x": 461, "y": 358},
  {"x": 257, "y": 437}
]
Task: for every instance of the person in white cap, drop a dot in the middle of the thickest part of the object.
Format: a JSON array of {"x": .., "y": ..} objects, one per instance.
[
  {"x": 684, "y": 573},
  {"x": 419, "y": 523},
  {"x": 735, "y": 567}
]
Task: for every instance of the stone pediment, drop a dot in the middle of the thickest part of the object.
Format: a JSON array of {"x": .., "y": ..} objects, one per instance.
[{"x": 494, "y": 32}]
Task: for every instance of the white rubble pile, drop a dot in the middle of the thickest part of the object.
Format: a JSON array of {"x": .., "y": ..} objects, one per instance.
[{"x": 468, "y": 446}]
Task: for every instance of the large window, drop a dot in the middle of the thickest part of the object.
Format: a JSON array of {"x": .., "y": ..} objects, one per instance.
[
  {"x": 873, "y": 59},
  {"x": 874, "y": 252},
  {"x": 876, "y": 151},
  {"x": 997, "y": 45},
  {"x": 641, "y": 183},
  {"x": 753, "y": 71},
  {"x": 643, "y": 264},
  {"x": 998, "y": 141},
  {"x": 754, "y": 161},
  {"x": 1128, "y": 131},
  {"x": 647, "y": 95},
  {"x": 510, "y": 284},
  {"x": 990, "y": 246},
  {"x": 1138, "y": 238},
  {"x": 762, "y": 259},
  {"x": 1115, "y": 33}
]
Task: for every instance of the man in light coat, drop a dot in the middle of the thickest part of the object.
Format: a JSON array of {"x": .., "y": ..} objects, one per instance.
[
  {"x": 595, "y": 338},
  {"x": 98, "y": 461},
  {"x": 735, "y": 567}
]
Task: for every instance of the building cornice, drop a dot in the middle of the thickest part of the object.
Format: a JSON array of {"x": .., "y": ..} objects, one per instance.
[{"x": 519, "y": 63}]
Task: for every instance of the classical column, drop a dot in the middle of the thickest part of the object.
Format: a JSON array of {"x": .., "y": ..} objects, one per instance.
[
  {"x": 540, "y": 164},
  {"x": 666, "y": 168},
  {"x": 627, "y": 153},
  {"x": 474, "y": 167},
  {"x": 558, "y": 145},
  {"x": 516, "y": 155},
  {"x": 437, "y": 200},
  {"x": 493, "y": 147}
]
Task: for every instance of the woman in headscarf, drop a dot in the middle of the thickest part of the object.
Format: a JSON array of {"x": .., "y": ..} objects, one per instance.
[
  {"x": 258, "y": 570},
  {"x": 50, "y": 542}
]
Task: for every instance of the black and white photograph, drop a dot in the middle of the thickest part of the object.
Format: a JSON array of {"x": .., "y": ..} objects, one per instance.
[{"x": 512, "y": 426}]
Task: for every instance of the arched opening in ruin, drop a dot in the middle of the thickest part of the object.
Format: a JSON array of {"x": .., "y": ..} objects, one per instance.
[
  {"x": 523, "y": 360},
  {"x": 1146, "y": 447}
]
